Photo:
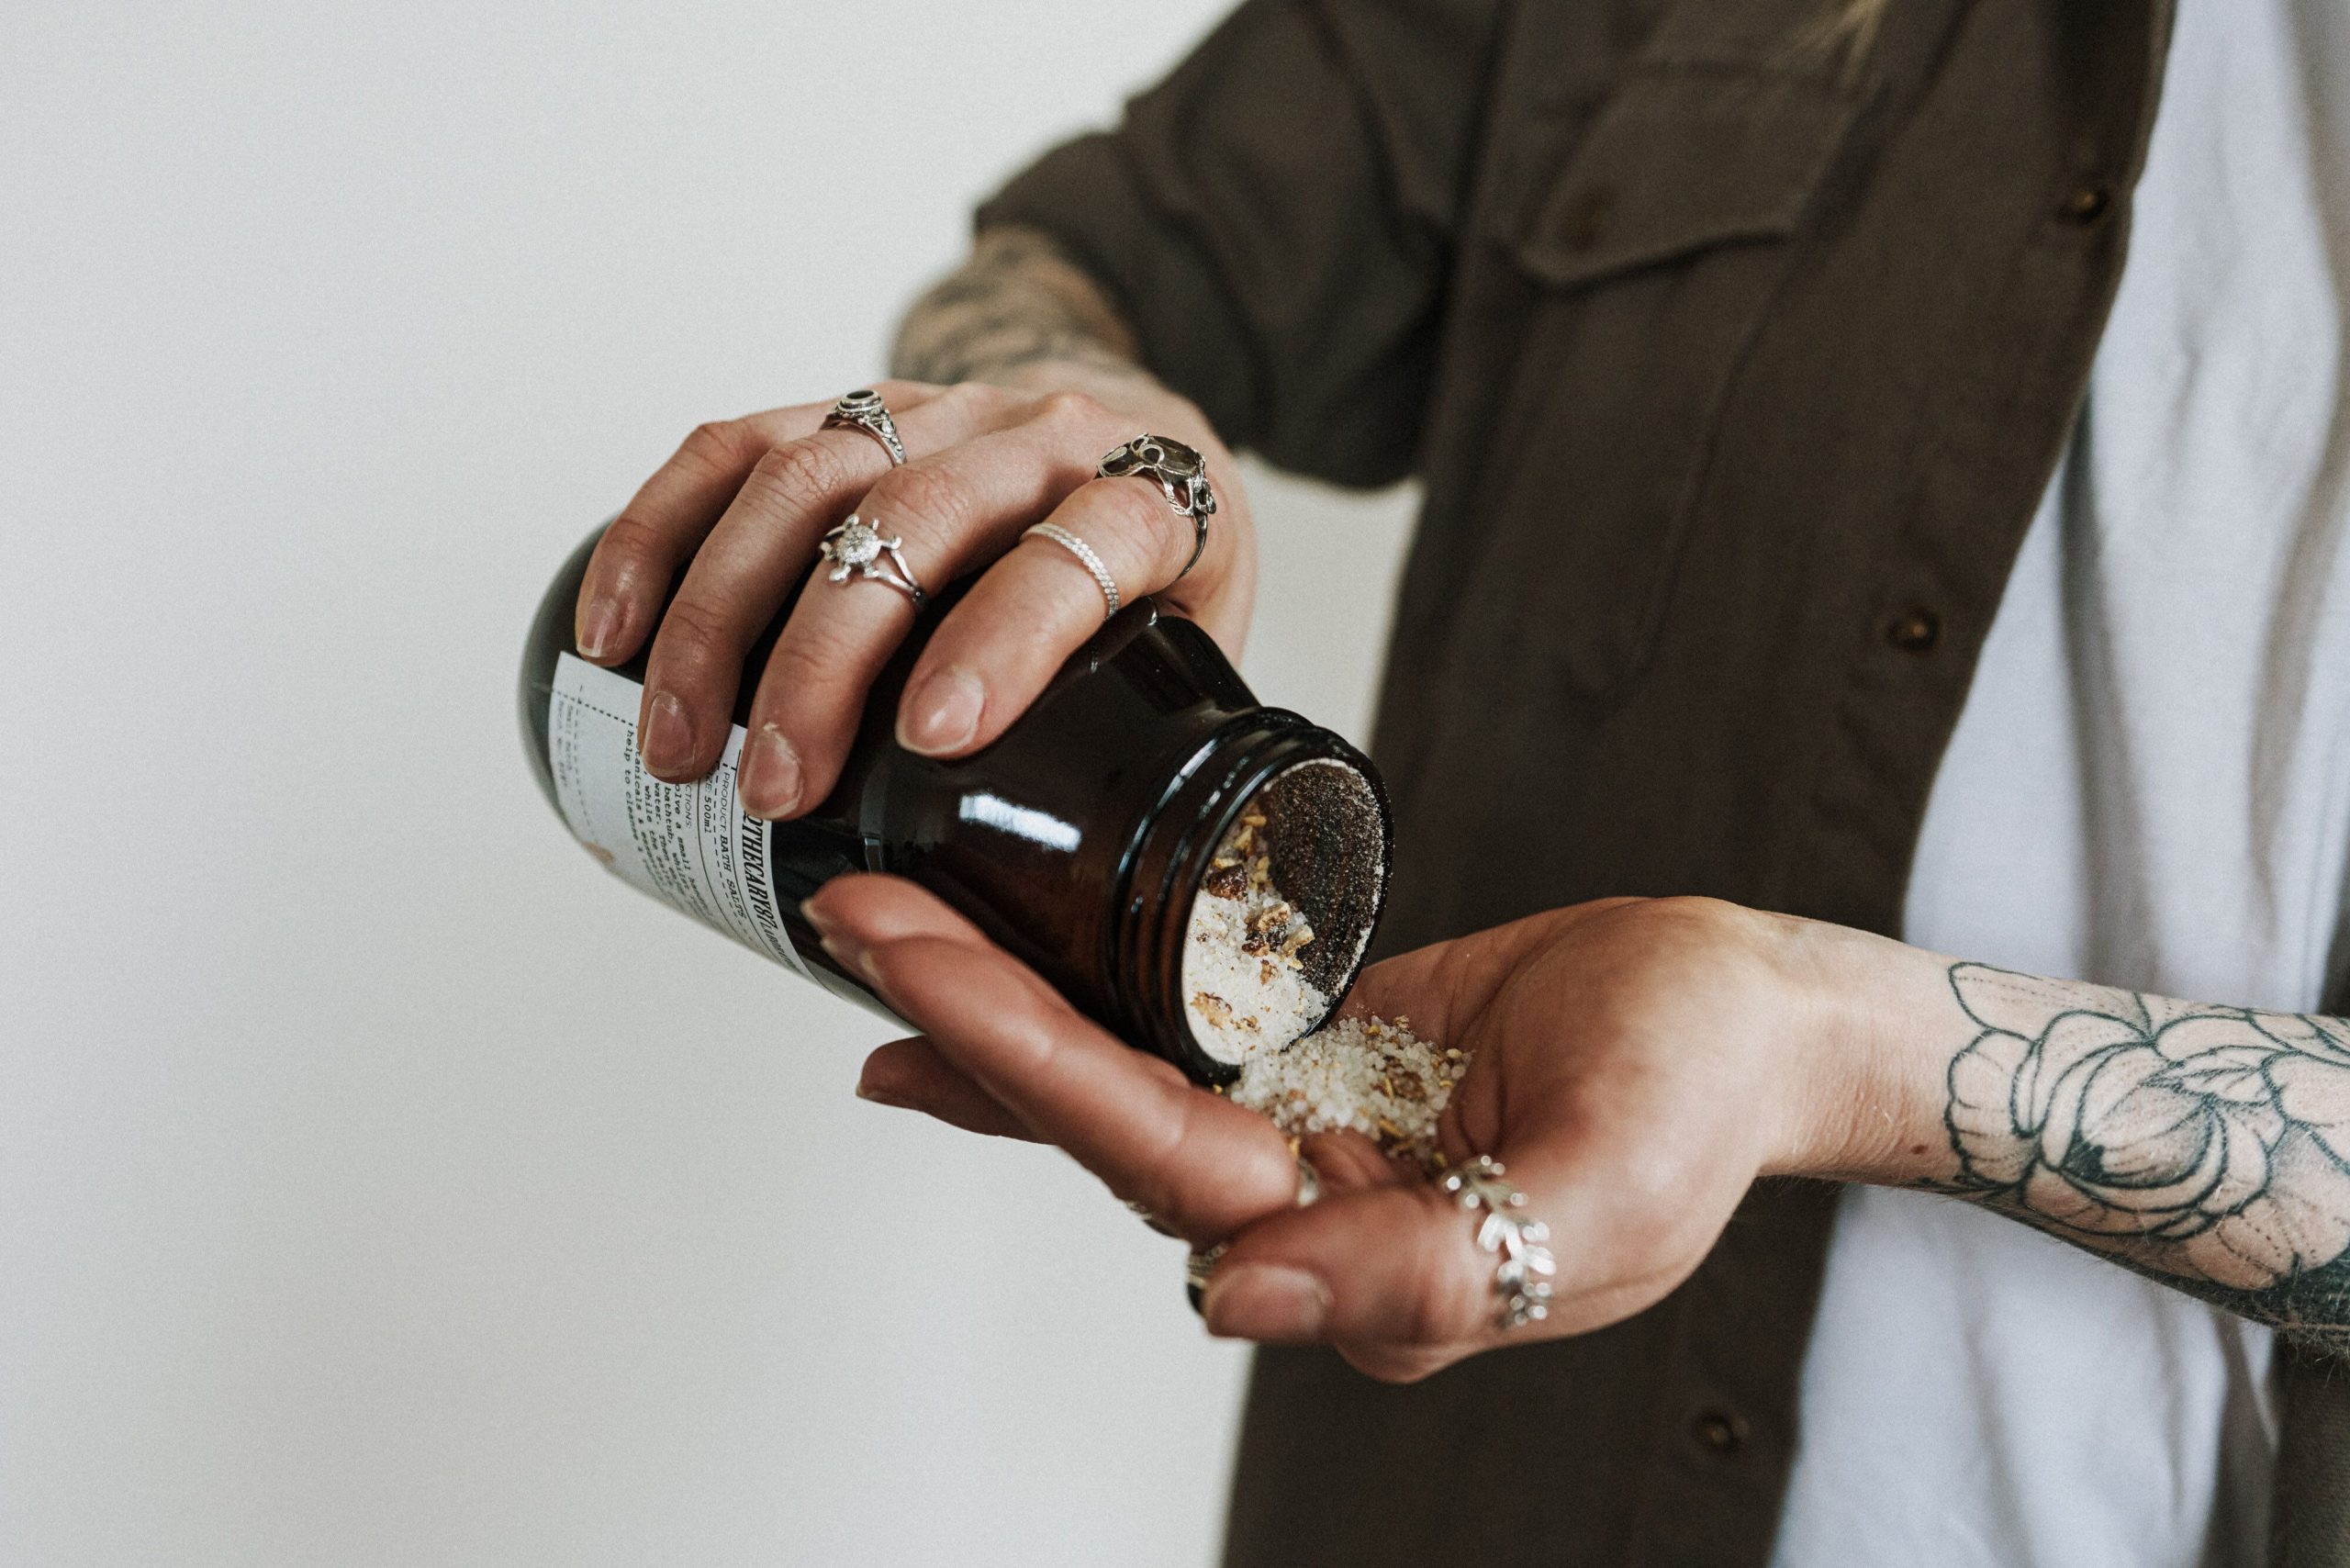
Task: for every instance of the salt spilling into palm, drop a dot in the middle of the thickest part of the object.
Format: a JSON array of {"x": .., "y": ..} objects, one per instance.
[{"x": 1250, "y": 1002}]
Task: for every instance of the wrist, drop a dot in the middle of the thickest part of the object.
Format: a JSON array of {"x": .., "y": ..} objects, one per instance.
[{"x": 1869, "y": 1019}]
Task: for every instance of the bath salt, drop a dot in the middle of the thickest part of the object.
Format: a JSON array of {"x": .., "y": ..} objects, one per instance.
[
  {"x": 1371, "y": 1076},
  {"x": 1250, "y": 1003},
  {"x": 1243, "y": 986}
]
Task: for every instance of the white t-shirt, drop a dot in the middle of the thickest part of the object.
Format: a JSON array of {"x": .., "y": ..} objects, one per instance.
[{"x": 2149, "y": 786}]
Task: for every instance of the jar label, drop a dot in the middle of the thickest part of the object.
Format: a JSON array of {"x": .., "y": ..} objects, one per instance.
[{"x": 691, "y": 846}]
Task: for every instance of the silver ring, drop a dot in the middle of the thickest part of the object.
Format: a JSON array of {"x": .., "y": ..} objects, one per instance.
[
  {"x": 1086, "y": 557},
  {"x": 1180, "y": 474},
  {"x": 857, "y": 547},
  {"x": 1522, "y": 1277},
  {"x": 1198, "y": 1265},
  {"x": 862, "y": 409}
]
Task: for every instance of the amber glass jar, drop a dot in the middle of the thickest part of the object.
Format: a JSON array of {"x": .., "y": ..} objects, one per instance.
[{"x": 1078, "y": 841}]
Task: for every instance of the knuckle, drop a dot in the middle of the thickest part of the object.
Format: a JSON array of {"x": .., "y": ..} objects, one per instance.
[
  {"x": 635, "y": 539},
  {"x": 1071, "y": 409},
  {"x": 970, "y": 399},
  {"x": 1161, "y": 540},
  {"x": 932, "y": 501},
  {"x": 719, "y": 446},
  {"x": 696, "y": 631},
  {"x": 800, "y": 473},
  {"x": 806, "y": 660}
]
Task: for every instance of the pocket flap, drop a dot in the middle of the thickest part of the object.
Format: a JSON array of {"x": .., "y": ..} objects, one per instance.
[{"x": 1681, "y": 157}]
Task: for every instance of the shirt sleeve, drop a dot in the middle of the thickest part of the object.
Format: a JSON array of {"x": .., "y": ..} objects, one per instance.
[{"x": 1277, "y": 219}]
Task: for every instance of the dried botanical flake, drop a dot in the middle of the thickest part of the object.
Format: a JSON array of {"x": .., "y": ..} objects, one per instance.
[
  {"x": 1212, "y": 1007},
  {"x": 1226, "y": 879}
]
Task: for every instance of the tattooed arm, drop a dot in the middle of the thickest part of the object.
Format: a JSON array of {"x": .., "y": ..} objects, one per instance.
[
  {"x": 1637, "y": 1064},
  {"x": 2208, "y": 1147},
  {"x": 1018, "y": 307}
]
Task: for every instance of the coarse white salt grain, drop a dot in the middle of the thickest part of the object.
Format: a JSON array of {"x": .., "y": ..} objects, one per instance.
[{"x": 1363, "y": 1075}]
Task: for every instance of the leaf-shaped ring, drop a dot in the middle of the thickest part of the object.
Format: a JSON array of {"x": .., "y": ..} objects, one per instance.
[{"x": 1522, "y": 1277}]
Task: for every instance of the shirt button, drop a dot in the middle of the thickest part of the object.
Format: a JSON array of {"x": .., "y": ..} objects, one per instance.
[
  {"x": 1588, "y": 217},
  {"x": 1720, "y": 1431},
  {"x": 2088, "y": 204},
  {"x": 1915, "y": 631}
]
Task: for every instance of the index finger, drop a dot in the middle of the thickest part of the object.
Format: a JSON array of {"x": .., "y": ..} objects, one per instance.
[{"x": 1199, "y": 1162}]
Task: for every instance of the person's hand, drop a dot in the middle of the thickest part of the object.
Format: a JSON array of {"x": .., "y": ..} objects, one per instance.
[
  {"x": 745, "y": 502},
  {"x": 1636, "y": 1064}
]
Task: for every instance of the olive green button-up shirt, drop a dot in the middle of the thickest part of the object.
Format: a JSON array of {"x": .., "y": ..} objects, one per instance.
[{"x": 1735, "y": 355}]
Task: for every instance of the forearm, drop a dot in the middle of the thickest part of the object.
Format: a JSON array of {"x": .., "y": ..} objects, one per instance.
[
  {"x": 2207, "y": 1147},
  {"x": 1017, "y": 305}
]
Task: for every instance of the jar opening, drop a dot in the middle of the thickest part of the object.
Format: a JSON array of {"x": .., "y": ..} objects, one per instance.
[{"x": 1284, "y": 910}]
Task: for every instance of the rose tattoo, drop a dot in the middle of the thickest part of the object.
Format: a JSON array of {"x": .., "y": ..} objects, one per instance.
[{"x": 2210, "y": 1143}]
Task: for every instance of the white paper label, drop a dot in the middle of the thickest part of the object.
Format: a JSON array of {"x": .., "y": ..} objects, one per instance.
[{"x": 691, "y": 846}]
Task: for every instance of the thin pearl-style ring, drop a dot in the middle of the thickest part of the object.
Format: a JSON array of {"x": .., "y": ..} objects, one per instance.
[{"x": 1086, "y": 558}]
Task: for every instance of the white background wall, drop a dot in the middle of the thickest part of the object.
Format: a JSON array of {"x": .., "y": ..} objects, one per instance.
[{"x": 378, "y": 1184}]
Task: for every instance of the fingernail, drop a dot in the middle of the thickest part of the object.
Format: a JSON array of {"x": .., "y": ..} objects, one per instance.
[
  {"x": 850, "y": 955},
  {"x": 770, "y": 781},
  {"x": 599, "y": 626},
  {"x": 816, "y": 917},
  {"x": 668, "y": 738},
  {"x": 1267, "y": 1302},
  {"x": 941, "y": 713},
  {"x": 866, "y": 1092}
]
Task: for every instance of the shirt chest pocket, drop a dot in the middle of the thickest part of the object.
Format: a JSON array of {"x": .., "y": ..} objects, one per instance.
[{"x": 1649, "y": 241}]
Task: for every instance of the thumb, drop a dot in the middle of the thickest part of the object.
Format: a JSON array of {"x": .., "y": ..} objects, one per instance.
[{"x": 1405, "y": 1279}]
